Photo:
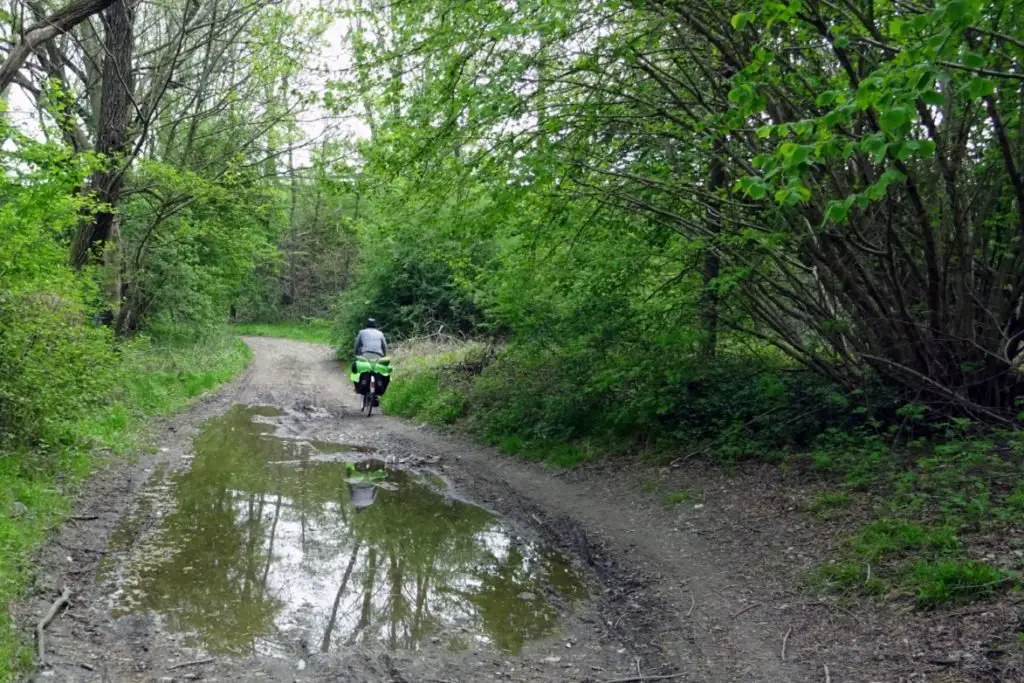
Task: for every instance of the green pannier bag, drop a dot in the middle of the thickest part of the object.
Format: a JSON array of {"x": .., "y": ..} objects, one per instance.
[{"x": 382, "y": 366}]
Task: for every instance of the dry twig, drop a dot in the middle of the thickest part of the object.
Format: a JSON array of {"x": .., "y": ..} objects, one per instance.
[
  {"x": 45, "y": 621},
  {"x": 785, "y": 639},
  {"x": 634, "y": 679},
  {"x": 693, "y": 603},
  {"x": 195, "y": 662},
  {"x": 828, "y": 676},
  {"x": 746, "y": 609}
]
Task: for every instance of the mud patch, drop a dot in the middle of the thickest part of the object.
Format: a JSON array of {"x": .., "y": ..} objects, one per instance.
[{"x": 271, "y": 545}]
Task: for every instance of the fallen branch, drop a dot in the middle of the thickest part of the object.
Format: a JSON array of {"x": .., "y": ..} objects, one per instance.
[
  {"x": 785, "y": 639},
  {"x": 195, "y": 662},
  {"x": 45, "y": 621},
  {"x": 746, "y": 609},
  {"x": 635, "y": 679},
  {"x": 828, "y": 676},
  {"x": 693, "y": 603},
  {"x": 84, "y": 518}
]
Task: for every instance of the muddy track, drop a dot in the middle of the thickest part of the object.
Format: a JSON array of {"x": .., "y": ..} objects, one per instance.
[{"x": 707, "y": 595}]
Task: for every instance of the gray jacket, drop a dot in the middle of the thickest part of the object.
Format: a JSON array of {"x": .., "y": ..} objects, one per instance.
[{"x": 371, "y": 340}]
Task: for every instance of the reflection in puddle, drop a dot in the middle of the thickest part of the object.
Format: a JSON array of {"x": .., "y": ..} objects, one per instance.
[{"x": 264, "y": 543}]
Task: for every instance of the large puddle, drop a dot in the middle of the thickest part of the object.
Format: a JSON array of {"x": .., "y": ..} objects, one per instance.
[{"x": 266, "y": 542}]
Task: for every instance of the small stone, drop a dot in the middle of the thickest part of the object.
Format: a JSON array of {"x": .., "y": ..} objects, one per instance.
[
  {"x": 18, "y": 509},
  {"x": 301, "y": 665},
  {"x": 552, "y": 660},
  {"x": 527, "y": 596},
  {"x": 698, "y": 506}
]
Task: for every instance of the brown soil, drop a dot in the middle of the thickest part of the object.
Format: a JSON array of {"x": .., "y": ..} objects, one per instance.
[{"x": 707, "y": 589}]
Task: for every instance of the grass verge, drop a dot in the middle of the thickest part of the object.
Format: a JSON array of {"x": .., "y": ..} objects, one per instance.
[
  {"x": 156, "y": 378},
  {"x": 313, "y": 330}
]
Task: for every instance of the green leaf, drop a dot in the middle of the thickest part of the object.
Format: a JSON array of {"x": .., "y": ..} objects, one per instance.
[
  {"x": 901, "y": 151},
  {"x": 972, "y": 60},
  {"x": 958, "y": 11},
  {"x": 933, "y": 98},
  {"x": 926, "y": 148},
  {"x": 980, "y": 87},
  {"x": 896, "y": 28},
  {"x": 826, "y": 98},
  {"x": 875, "y": 145},
  {"x": 893, "y": 119},
  {"x": 741, "y": 19},
  {"x": 765, "y": 132},
  {"x": 891, "y": 175},
  {"x": 837, "y": 212},
  {"x": 753, "y": 187},
  {"x": 842, "y": 42},
  {"x": 740, "y": 94}
]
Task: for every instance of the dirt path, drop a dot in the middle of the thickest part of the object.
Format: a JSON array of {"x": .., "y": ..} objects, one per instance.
[{"x": 706, "y": 590}]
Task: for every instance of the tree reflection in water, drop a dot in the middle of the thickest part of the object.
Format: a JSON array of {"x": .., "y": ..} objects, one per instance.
[{"x": 259, "y": 545}]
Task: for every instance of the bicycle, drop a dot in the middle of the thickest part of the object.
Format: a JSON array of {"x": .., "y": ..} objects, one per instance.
[
  {"x": 370, "y": 397},
  {"x": 371, "y": 376}
]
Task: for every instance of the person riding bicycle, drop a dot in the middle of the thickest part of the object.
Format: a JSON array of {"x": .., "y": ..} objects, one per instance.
[{"x": 370, "y": 344}]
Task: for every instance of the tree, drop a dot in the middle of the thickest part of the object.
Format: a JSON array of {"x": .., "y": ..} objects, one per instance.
[{"x": 870, "y": 225}]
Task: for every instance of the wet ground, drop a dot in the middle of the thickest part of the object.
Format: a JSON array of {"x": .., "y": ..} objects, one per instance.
[
  {"x": 275, "y": 534},
  {"x": 267, "y": 545}
]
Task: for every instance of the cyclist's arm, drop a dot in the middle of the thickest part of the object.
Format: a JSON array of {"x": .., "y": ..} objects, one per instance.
[
  {"x": 384, "y": 343},
  {"x": 359, "y": 345}
]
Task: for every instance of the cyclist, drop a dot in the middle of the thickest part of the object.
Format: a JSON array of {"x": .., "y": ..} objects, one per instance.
[{"x": 370, "y": 344}]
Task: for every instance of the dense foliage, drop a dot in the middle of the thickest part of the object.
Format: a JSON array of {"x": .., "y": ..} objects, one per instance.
[{"x": 841, "y": 182}]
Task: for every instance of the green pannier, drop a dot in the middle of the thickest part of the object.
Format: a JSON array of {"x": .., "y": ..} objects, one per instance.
[{"x": 381, "y": 366}]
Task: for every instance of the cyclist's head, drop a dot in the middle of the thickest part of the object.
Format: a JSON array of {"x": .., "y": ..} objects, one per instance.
[{"x": 371, "y": 322}]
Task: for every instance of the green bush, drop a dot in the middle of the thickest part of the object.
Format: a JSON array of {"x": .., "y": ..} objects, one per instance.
[
  {"x": 408, "y": 295},
  {"x": 55, "y": 369}
]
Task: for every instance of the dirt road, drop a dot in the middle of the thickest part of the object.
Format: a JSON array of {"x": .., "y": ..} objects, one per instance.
[{"x": 277, "y": 534}]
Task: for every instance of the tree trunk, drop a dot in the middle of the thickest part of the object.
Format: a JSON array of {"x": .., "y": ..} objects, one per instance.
[{"x": 112, "y": 137}]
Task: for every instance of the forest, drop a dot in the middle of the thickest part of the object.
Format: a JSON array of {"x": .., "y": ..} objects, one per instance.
[{"x": 786, "y": 232}]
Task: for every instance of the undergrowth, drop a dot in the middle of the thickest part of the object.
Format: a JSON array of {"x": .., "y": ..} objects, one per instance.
[{"x": 153, "y": 378}]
